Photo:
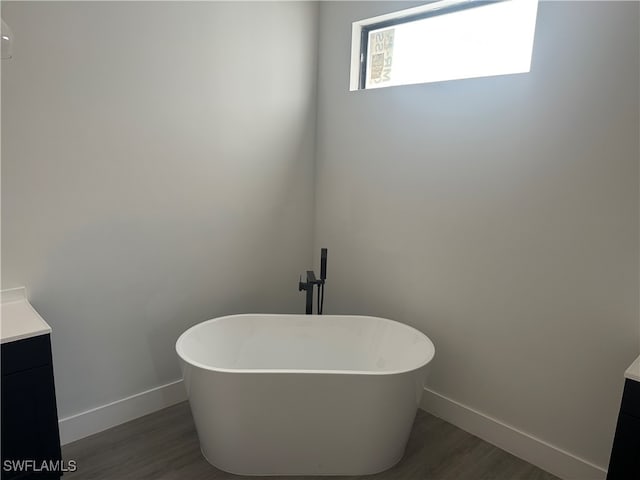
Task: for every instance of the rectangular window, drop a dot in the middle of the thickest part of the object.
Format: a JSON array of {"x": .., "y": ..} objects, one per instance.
[{"x": 444, "y": 40}]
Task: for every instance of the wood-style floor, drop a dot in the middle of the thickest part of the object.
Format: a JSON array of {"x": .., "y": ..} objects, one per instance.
[{"x": 164, "y": 446}]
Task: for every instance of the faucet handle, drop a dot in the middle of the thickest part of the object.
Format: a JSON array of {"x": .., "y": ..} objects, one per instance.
[{"x": 301, "y": 286}]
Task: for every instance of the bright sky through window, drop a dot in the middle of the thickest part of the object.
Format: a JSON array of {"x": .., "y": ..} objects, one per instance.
[{"x": 484, "y": 40}]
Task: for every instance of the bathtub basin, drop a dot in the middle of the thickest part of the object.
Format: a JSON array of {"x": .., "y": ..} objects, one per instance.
[{"x": 303, "y": 394}]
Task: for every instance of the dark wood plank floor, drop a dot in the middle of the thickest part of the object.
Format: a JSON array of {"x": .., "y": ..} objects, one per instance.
[{"x": 164, "y": 446}]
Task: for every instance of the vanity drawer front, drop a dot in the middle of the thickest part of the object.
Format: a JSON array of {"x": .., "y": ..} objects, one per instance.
[
  {"x": 625, "y": 462},
  {"x": 25, "y": 354},
  {"x": 29, "y": 422},
  {"x": 631, "y": 398}
]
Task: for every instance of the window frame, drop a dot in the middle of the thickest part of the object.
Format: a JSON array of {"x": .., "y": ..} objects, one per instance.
[{"x": 361, "y": 29}]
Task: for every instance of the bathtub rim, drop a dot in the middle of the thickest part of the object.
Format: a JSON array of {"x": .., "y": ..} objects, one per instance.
[{"x": 193, "y": 363}]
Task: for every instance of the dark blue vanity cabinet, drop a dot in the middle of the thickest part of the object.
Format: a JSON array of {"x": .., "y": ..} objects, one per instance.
[
  {"x": 625, "y": 454},
  {"x": 29, "y": 414}
]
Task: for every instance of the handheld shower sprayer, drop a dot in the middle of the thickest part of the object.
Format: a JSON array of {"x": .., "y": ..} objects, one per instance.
[
  {"x": 323, "y": 277},
  {"x": 323, "y": 264}
]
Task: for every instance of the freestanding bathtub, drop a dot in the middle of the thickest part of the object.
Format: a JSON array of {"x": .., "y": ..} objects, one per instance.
[{"x": 303, "y": 394}]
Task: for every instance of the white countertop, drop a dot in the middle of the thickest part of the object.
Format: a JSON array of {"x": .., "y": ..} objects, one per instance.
[
  {"x": 18, "y": 319},
  {"x": 633, "y": 372}
]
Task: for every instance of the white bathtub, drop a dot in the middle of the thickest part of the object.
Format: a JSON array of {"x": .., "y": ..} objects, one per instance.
[{"x": 303, "y": 394}]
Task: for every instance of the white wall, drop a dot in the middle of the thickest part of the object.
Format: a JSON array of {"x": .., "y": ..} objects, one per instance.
[
  {"x": 157, "y": 171},
  {"x": 499, "y": 216}
]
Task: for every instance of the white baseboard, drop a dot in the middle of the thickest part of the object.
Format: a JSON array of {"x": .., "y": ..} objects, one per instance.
[
  {"x": 101, "y": 418},
  {"x": 535, "y": 451}
]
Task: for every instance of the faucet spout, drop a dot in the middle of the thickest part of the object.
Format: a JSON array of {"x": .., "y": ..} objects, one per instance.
[{"x": 311, "y": 277}]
